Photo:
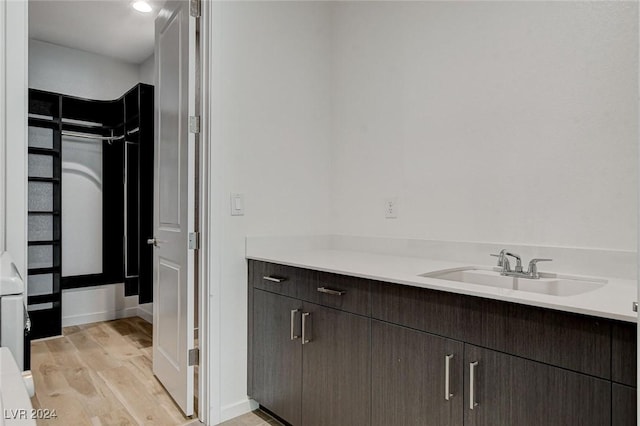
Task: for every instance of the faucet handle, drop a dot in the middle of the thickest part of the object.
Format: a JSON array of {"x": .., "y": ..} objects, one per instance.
[
  {"x": 533, "y": 267},
  {"x": 500, "y": 257},
  {"x": 503, "y": 262},
  {"x": 518, "y": 260},
  {"x": 534, "y": 261}
]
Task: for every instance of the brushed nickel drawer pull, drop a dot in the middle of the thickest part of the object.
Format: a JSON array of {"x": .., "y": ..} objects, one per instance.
[
  {"x": 274, "y": 278},
  {"x": 447, "y": 377},
  {"x": 331, "y": 291},
  {"x": 304, "y": 328},
  {"x": 472, "y": 385},
  {"x": 293, "y": 323}
]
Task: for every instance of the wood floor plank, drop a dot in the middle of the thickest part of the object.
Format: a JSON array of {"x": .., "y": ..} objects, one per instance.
[
  {"x": 142, "y": 325},
  {"x": 142, "y": 406},
  {"x": 97, "y": 397},
  {"x": 47, "y": 374},
  {"x": 118, "y": 346},
  {"x": 94, "y": 356},
  {"x": 115, "y": 418},
  {"x": 141, "y": 369},
  {"x": 101, "y": 374},
  {"x": 68, "y": 407}
]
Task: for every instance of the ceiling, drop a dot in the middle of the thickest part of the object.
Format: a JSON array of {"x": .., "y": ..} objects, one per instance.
[{"x": 106, "y": 27}]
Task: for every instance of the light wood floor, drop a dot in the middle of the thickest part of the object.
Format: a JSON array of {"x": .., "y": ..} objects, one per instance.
[
  {"x": 100, "y": 374},
  {"x": 256, "y": 418}
]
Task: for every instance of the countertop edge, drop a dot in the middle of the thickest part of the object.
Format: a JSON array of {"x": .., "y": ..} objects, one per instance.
[{"x": 434, "y": 284}]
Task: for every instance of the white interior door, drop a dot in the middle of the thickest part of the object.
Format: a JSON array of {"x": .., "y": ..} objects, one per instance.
[{"x": 173, "y": 262}]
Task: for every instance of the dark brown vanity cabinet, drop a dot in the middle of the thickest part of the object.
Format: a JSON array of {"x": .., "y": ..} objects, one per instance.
[
  {"x": 309, "y": 363},
  {"x": 508, "y": 390},
  {"x": 387, "y": 354},
  {"x": 277, "y": 361},
  {"x": 416, "y": 379},
  {"x": 336, "y": 373}
]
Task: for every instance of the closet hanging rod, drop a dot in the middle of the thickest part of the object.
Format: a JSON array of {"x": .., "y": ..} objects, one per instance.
[{"x": 94, "y": 137}]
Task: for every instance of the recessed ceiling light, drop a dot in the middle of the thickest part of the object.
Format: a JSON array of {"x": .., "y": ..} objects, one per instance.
[{"x": 142, "y": 6}]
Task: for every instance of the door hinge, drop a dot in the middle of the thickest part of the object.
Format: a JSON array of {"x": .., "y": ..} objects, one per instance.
[
  {"x": 634, "y": 306},
  {"x": 194, "y": 356},
  {"x": 194, "y": 124},
  {"x": 194, "y": 8},
  {"x": 193, "y": 241}
]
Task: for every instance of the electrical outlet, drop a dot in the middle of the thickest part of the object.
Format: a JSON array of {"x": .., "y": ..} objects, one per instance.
[{"x": 391, "y": 208}]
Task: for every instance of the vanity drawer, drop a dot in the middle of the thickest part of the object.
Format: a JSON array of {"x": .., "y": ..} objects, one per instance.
[
  {"x": 445, "y": 314},
  {"x": 572, "y": 341},
  {"x": 575, "y": 342},
  {"x": 342, "y": 292},
  {"x": 280, "y": 279}
]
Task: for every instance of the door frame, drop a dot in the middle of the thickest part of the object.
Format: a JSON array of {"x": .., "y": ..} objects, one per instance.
[
  {"x": 208, "y": 253},
  {"x": 208, "y": 363}
]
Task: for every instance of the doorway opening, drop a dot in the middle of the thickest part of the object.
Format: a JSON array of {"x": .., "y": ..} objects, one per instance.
[{"x": 93, "y": 181}]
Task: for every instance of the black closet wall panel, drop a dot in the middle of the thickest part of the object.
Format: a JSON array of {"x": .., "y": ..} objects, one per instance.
[
  {"x": 112, "y": 212},
  {"x": 132, "y": 218},
  {"x": 127, "y": 196},
  {"x": 138, "y": 149},
  {"x": 44, "y": 202},
  {"x": 146, "y": 138}
]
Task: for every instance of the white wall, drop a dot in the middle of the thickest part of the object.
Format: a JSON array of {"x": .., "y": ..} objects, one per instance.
[
  {"x": 13, "y": 130},
  {"x": 506, "y": 122},
  {"x": 81, "y": 206},
  {"x": 146, "y": 71},
  {"x": 101, "y": 303},
  {"x": 271, "y": 134},
  {"x": 78, "y": 73}
]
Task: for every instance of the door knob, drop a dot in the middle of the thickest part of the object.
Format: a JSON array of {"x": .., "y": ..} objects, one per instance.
[{"x": 152, "y": 242}]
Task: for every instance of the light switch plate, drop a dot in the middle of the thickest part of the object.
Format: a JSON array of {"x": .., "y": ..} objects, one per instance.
[{"x": 237, "y": 204}]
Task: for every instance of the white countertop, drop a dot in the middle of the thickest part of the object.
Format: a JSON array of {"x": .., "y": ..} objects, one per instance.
[{"x": 613, "y": 300}]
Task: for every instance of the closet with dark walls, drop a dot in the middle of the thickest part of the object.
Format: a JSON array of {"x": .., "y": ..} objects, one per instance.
[{"x": 124, "y": 129}]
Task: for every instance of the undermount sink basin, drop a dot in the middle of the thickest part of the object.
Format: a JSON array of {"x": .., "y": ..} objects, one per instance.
[{"x": 549, "y": 284}]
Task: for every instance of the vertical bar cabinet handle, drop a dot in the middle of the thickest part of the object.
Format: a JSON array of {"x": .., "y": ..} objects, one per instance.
[
  {"x": 304, "y": 328},
  {"x": 472, "y": 385},
  {"x": 293, "y": 323},
  {"x": 447, "y": 377}
]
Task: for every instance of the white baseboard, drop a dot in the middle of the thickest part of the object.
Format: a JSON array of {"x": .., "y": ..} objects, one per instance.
[
  {"x": 145, "y": 314},
  {"x": 239, "y": 408},
  {"x": 99, "y": 316}
]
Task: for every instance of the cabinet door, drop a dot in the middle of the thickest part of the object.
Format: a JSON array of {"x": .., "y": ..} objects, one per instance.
[
  {"x": 624, "y": 405},
  {"x": 624, "y": 352},
  {"x": 336, "y": 368},
  {"x": 508, "y": 390},
  {"x": 409, "y": 378},
  {"x": 277, "y": 359}
]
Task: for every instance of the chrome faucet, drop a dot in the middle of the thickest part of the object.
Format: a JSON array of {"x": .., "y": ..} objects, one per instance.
[
  {"x": 502, "y": 260},
  {"x": 503, "y": 263},
  {"x": 533, "y": 268},
  {"x": 518, "y": 261}
]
